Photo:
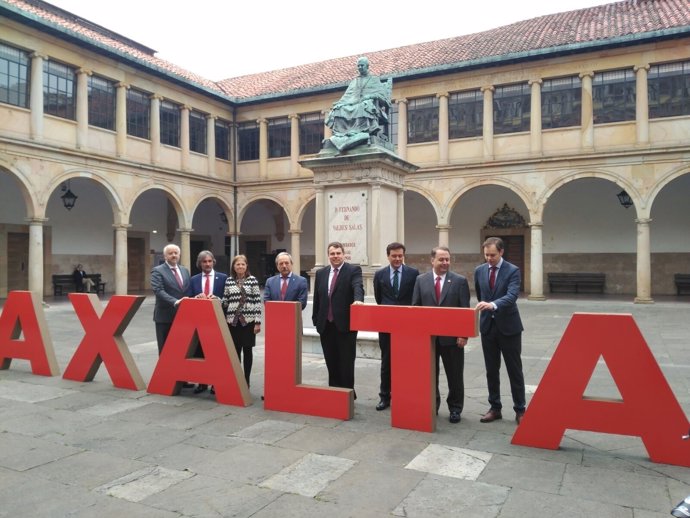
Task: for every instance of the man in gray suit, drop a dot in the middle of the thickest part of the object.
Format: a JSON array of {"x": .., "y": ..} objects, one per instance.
[
  {"x": 169, "y": 282},
  {"x": 497, "y": 284},
  {"x": 441, "y": 287},
  {"x": 286, "y": 285}
]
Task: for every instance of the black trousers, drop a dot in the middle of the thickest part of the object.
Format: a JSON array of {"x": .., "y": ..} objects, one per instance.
[
  {"x": 495, "y": 344},
  {"x": 339, "y": 351},
  {"x": 453, "y": 358},
  {"x": 244, "y": 339},
  {"x": 385, "y": 346},
  {"x": 162, "y": 331}
]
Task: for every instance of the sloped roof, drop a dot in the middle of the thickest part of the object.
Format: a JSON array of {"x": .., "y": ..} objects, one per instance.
[
  {"x": 607, "y": 24},
  {"x": 619, "y": 23}
]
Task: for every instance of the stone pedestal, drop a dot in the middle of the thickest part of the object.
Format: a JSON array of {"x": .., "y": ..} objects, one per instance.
[{"x": 359, "y": 203}]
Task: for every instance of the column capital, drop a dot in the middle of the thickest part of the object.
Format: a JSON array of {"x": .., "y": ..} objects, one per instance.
[
  {"x": 184, "y": 230},
  {"x": 484, "y": 88},
  {"x": 643, "y": 221},
  {"x": 588, "y": 73},
  {"x": 294, "y": 116},
  {"x": 295, "y": 231},
  {"x": 156, "y": 97},
  {"x": 121, "y": 226},
  {"x": 402, "y": 100},
  {"x": 122, "y": 85},
  {"x": 442, "y": 94},
  {"x": 537, "y": 80},
  {"x": 637, "y": 68},
  {"x": 210, "y": 117},
  {"x": 38, "y": 55},
  {"x": 262, "y": 121},
  {"x": 184, "y": 107},
  {"x": 85, "y": 71},
  {"x": 536, "y": 224},
  {"x": 36, "y": 221},
  {"x": 444, "y": 227}
]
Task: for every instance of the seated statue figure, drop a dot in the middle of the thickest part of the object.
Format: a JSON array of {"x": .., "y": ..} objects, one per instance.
[{"x": 362, "y": 110}]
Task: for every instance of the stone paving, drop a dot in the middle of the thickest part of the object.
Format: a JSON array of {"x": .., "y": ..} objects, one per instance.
[{"x": 89, "y": 449}]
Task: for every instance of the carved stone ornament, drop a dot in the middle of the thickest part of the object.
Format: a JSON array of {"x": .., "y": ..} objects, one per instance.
[{"x": 505, "y": 217}]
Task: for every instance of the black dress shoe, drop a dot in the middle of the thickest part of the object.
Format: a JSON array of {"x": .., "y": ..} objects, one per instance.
[
  {"x": 200, "y": 388},
  {"x": 187, "y": 385},
  {"x": 383, "y": 404},
  {"x": 518, "y": 415},
  {"x": 491, "y": 415},
  {"x": 213, "y": 390},
  {"x": 454, "y": 416}
]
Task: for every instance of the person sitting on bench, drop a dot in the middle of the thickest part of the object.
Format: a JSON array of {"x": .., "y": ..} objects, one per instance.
[{"x": 81, "y": 279}]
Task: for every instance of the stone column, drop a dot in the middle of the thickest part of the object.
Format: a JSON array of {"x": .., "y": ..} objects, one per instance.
[
  {"x": 401, "y": 215},
  {"x": 587, "y": 115},
  {"x": 644, "y": 263},
  {"x": 263, "y": 148},
  {"x": 536, "y": 262},
  {"x": 295, "y": 248},
  {"x": 82, "y": 107},
  {"x": 402, "y": 128},
  {"x": 121, "y": 258},
  {"x": 294, "y": 144},
  {"x": 488, "y": 122},
  {"x": 36, "y": 255},
  {"x": 184, "y": 137},
  {"x": 156, "y": 128},
  {"x": 121, "y": 119},
  {"x": 211, "y": 144},
  {"x": 320, "y": 228},
  {"x": 443, "y": 234},
  {"x": 535, "y": 143},
  {"x": 376, "y": 215},
  {"x": 641, "y": 104},
  {"x": 443, "y": 128},
  {"x": 36, "y": 97},
  {"x": 185, "y": 248}
]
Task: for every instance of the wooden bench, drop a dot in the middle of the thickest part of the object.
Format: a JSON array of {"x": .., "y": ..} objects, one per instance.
[
  {"x": 63, "y": 283},
  {"x": 577, "y": 282},
  {"x": 682, "y": 281}
]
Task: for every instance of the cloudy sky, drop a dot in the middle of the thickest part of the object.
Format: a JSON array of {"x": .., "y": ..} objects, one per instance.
[{"x": 224, "y": 38}]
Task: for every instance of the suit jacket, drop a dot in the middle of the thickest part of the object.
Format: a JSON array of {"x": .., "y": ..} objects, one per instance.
[
  {"x": 196, "y": 284},
  {"x": 504, "y": 295},
  {"x": 167, "y": 291},
  {"x": 348, "y": 288},
  {"x": 455, "y": 293},
  {"x": 383, "y": 290},
  {"x": 297, "y": 289}
]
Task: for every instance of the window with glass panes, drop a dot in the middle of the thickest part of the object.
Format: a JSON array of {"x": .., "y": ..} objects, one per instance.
[
  {"x": 465, "y": 114},
  {"x": 138, "y": 113},
  {"x": 561, "y": 102},
  {"x": 310, "y": 133},
  {"x": 512, "y": 108},
  {"x": 14, "y": 76},
  {"x": 59, "y": 90},
  {"x": 278, "y": 137},
  {"x": 248, "y": 141},
  {"x": 613, "y": 95},
  {"x": 222, "y": 139},
  {"x": 669, "y": 90},
  {"x": 422, "y": 120},
  {"x": 393, "y": 125},
  {"x": 197, "y": 132},
  {"x": 102, "y": 94},
  {"x": 170, "y": 123}
]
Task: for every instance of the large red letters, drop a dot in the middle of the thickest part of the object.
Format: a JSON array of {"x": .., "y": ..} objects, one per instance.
[
  {"x": 413, "y": 363},
  {"x": 649, "y": 409}
]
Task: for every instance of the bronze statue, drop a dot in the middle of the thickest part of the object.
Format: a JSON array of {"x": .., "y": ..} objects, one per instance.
[{"x": 362, "y": 112}]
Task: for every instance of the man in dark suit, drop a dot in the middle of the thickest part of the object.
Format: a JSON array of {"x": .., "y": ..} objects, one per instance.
[
  {"x": 441, "y": 287},
  {"x": 169, "y": 282},
  {"x": 336, "y": 288},
  {"x": 286, "y": 285},
  {"x": 208, "y": 284},
  {"x": 497, "y": 284},
  {"x": 393, "y": 286}
]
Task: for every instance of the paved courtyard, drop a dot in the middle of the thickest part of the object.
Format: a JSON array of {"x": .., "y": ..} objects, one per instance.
[{"x": 89, "y": 449}]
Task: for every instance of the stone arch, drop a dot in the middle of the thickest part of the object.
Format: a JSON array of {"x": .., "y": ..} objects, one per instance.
[
  {"x": 663, "y": 182},
  {"x": 183, "y": 216},
  {"x": 26, "y": 189},
  {"x": 511, "y": 186},
  {"x": 110, "y": 192}
]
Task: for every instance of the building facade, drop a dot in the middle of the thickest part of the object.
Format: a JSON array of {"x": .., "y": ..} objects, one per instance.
[{"x": 530, "y": 131}]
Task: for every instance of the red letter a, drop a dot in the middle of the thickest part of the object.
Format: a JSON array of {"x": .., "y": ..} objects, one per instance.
[
  {"x": 103, "y": 341},
  {"x": 649, "y": 409},
  {"x": 23, "y": 314},
  {"x": 200, "y": 322}
]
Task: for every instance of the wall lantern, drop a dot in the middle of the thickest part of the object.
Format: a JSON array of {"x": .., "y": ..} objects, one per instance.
[
  {"x": 625, "y": 199},
  {"x": 69, "y": 198}
]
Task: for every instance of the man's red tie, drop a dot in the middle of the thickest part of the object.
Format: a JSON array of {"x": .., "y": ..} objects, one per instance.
[
  {"x": 438, "y": 289},
  {"x": 492, "y": 277},
  {"x": 283, "y": 287},
  {"x": 207, "y": 285},
  {"x": 177, "y": 276}
]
